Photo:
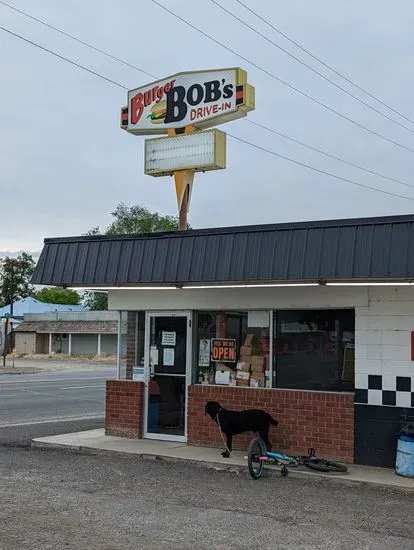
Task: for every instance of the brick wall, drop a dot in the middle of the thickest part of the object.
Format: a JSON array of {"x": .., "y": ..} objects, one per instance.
[
  {"x": 124, "y": 408},
  {"x": 324, "y": 421},
  {"x": 131, "y": 343}
]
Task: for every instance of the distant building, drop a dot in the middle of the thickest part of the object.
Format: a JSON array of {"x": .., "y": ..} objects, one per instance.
[
  {"x": 70, "y": 333},
  {"x": 31, "y": 305},
  {"x": 27, "y": 306}
]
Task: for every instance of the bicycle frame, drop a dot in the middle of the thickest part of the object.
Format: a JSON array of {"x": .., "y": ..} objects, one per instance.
[
  {"x": 279, "y": 457},
  {"x": 282, "y": 458}
]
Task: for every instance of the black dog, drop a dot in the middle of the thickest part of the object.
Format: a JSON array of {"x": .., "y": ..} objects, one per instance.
[{"x": 236, "y": 422}]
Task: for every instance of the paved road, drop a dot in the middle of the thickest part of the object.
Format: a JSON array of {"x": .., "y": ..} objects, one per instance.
[
  {"x": 51, "y": 402},
  {"x": 59, "y": 500}
]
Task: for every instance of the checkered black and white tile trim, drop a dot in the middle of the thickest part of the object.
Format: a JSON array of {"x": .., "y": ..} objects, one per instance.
[{"x": 376, "y": 389}]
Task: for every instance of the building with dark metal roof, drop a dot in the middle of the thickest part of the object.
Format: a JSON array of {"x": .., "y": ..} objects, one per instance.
[
  {"x": 339, "y": 250},
  {"x": 318, "y": 315}
]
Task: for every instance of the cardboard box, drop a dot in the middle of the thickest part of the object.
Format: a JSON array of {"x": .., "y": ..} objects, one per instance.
[
  {"x": 242, "y": 375},
  {"x": 249, "y": 340},
  {"x": 243, "y": 365},
  {"x": 246, "y": 350},
  {"x": 257, "y": 376},
  {"x": 257, "y": 382},
  {"x": 258, "y": 360},
  {"x": 240, "y": 382},
  {"x": 258, "y": 364}
]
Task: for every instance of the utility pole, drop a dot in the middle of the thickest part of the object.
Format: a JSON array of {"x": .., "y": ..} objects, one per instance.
[
  {"x": 5, "y": 343},
  {"x": 9, "y": 316},
  {"x": 11, "y": 306}
]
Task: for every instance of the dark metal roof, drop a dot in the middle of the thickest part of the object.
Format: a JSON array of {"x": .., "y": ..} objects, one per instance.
[{"x": 366, "y": 248}]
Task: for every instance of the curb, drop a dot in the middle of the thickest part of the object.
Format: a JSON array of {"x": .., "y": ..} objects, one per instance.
[
  {"x": 144, "y": 455},
  {"x": 271, "y": 471},
  {"x": 11, "y": 370}
]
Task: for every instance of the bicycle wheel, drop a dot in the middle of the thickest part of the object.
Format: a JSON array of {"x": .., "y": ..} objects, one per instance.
[
  {"x": 323, "y": 465},
  {"x": 257, "y": 448}
]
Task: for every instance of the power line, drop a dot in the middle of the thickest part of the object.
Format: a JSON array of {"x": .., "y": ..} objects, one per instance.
[
  {"x": 72, "y": 37},
  {"x": 64, "y": 58},
  {"x": 324, "y": 172},
  {"x": 272, "y": 75},
  {"x": 292, "y": 56},
  {"x": 322, "y": 152},
  {"x": 247, "y": 120},
  {"x": 319, "y": 60},
  {"x": 230, "y": 135}
]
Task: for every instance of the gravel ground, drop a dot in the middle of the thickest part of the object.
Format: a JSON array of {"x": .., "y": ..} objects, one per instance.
[{"x": 61, "y": 500}]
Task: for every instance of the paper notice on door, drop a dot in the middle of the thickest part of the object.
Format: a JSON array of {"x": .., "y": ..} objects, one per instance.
[
  {"x": 138, "y": 373},
  {"x": 168, "y": 338},
  {"x": 204, "y": 353},
  {"x": 169, "y": 356},
  {"x": 153, "y": 356}
]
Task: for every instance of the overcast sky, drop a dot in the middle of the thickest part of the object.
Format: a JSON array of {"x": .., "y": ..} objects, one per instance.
[{"x": 65, "y": 163}]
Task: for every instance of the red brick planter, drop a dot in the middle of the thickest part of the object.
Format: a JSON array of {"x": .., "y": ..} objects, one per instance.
[
  {"x": 324, "y": 421},
  {"x": 124, "y": 408}
]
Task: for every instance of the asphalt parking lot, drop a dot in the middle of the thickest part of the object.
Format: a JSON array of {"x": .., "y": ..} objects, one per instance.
[{"x": 59, "y": 500}]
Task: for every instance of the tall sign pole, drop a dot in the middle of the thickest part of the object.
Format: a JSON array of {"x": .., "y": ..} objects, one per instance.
[
  {"x": 185, "y": 106},
  {"x": 183, "y": 180}
]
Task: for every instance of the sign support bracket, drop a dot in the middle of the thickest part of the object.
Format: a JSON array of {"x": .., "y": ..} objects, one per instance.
[{"x": 184, "y": 180}]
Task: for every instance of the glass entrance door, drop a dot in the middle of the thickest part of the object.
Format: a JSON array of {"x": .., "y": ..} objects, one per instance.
[{"x": 167, "y": 360}]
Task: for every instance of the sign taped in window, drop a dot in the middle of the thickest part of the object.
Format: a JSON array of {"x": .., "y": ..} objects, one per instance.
[{"x": 223, "y": 349}]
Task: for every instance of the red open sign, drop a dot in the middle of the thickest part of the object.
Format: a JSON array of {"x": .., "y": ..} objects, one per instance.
[{"x": 223, "y": 349}]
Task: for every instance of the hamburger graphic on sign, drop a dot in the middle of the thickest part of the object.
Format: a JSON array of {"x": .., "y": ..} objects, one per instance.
[
  {"x": 158, "y": 112},
  {"x": 201, "y": 99}
]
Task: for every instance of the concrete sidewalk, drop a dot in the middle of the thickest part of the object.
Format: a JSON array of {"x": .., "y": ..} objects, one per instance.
[
  {"x": 96, "y": 440},
  {"x": 47, "y": 364}
]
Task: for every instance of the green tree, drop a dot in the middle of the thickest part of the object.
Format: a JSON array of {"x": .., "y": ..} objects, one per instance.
[
  {"x": 136, "y": 219},
  {"x": 15, "y": 276},
  {"x": 58, "y": 295},
  {"x": 96, "y": 301}
]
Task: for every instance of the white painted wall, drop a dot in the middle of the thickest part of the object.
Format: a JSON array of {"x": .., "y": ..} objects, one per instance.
[
  {"x": 84, "y": 344},
  {"x": 109, "y": 344},
  {"x": 257, "y": 298},
  {"x": 25, "y": 342},
  {"x": 383, "y": 337}
]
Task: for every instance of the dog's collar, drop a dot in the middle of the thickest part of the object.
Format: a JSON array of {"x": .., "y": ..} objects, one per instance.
[{"x": 218, "y": 413}]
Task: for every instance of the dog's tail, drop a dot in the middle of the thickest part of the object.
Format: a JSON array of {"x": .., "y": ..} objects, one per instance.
[{"x": 272, "y": 420}]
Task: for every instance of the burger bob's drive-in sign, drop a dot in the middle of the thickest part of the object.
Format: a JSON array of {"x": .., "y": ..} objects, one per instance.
[
  {"x": 201, "y": 99},
  {"x": 183, "y": 106}
]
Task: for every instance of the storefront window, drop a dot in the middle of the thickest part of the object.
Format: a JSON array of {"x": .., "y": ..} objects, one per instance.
[
  {"x": 233, "y": 348},
  {"x": 314, "y": 349}
]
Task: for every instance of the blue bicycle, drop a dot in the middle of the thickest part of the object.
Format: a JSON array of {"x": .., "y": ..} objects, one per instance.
[{"x": 258, "y": 456}]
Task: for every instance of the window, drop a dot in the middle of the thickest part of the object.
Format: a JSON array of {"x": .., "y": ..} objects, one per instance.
[
  {"x": 233, "y": 348},
  {"x": 314, "y": 349}
]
